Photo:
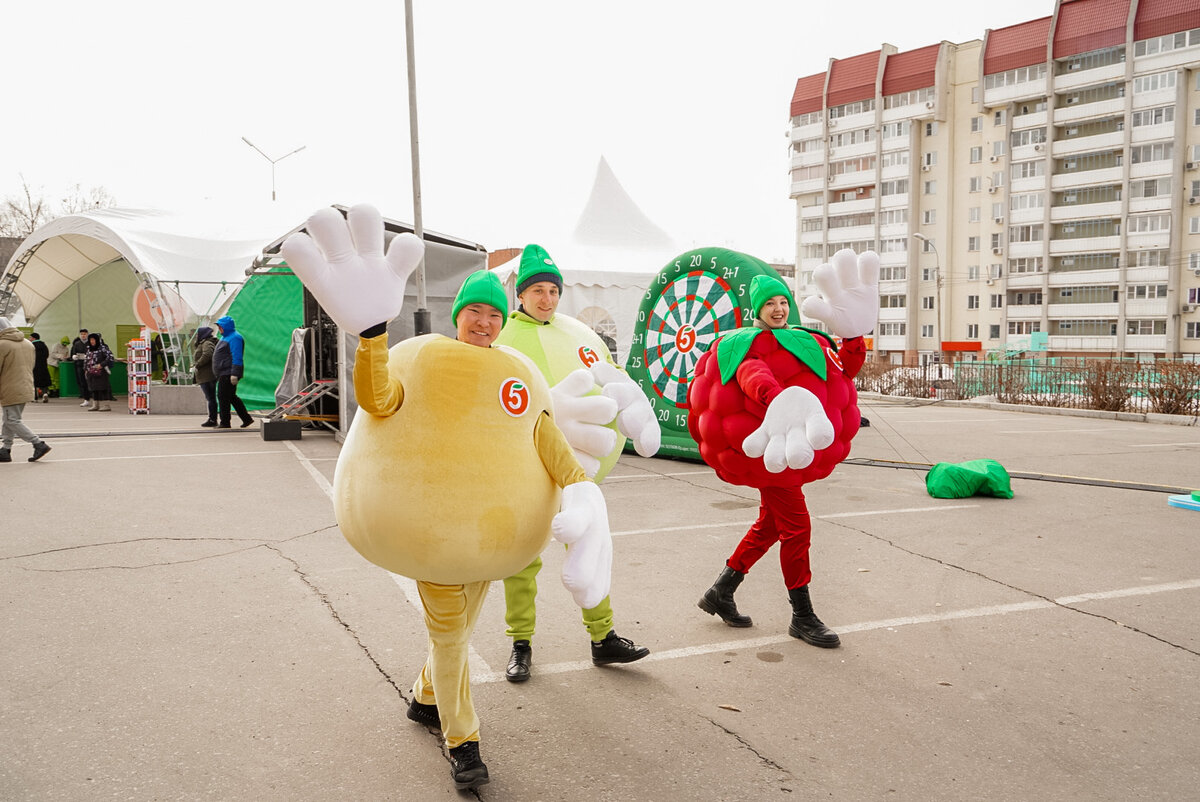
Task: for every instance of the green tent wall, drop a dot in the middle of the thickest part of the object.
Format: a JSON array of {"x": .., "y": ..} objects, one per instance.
[{"x": 266, "y": 310}]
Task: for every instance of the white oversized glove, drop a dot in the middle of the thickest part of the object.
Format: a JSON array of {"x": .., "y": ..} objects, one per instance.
[
  {"x": 582, "y": 524},
  {"x": 582, "y": 418},
  {"x": 848, "y": 303},
  {"x": 341, "y": 261},
  {"x": 793, "y": 430},
  {"x": 636, "y": 417}
]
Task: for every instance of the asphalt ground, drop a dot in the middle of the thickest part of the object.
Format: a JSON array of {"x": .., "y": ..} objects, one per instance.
[{"x": 183, "y": 620}]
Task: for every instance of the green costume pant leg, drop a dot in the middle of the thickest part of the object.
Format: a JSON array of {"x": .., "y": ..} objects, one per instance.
[{"x": 520, "y": 590}]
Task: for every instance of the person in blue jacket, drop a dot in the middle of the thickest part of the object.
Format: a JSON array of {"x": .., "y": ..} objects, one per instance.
[{"x": 228, "y": 364}]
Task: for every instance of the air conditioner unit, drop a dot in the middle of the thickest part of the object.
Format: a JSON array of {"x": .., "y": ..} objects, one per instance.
[
  {"x": 1038, "y": 147},
  {"x": 929, "y": 104},
  {"x": 861, "y": 190},
  {"x": 991, "y": 190},
  {"x": 990, "y": 281},
  {"x": 993, "y": 158},
  {"x": 829, "y": 179},
  {"x": 833, "y": 122},
  {"x": 925, "y": 168},
  {"x": 999, "y": 219},
  {"x": 1186, "y": 308},
  {"x": 1192, "y": 201},
  {"x": 1191, "y": 165},
  {"x": 1197, "y": 272}
]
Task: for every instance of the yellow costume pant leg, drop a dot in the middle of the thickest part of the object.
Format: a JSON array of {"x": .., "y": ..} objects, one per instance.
[
  {"x": 450, "y": 614},
  {"x": 520, "y": 590}
]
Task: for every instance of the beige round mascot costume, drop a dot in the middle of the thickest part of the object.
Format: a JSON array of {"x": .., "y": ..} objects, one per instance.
[{"x": 407, "y": 493}]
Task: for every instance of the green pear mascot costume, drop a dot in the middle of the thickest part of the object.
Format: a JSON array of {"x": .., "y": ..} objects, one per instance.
[
  {"x": 597, "y": 406},
  {"x": 408, "y": 492}
]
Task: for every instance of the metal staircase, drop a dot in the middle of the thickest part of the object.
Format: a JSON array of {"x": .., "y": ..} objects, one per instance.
[{"x": 300, "y": 406}]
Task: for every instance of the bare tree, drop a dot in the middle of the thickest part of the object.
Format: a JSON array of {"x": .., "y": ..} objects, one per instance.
[{"x": 21, "y": 215}]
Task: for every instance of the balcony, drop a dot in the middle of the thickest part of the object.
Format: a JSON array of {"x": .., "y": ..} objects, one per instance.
[
  {"x": 807, "y": 186},
  {"x": 1085, "y": 245},
  {"x": 1066, "y": 343},
  {"x": 1034, "y": 120},
  {"x": 1026, "y": 90},
  {"x": 1148, "y": 169},
  {"x": 1096, "y": 75},
  {"x": 1084, "y": 178},
  {"x": 1146, "y": 307},
  {"x": 1022, "y": 250},
  {"x": 892, "y": 342},
  {"x": 1145, "y": 275},
  {"x": 1026, "y": 152},
  {"x": 1088, "y": 144},
  {"x": 1025, "y": 311},
  {"x": 1150, "y": 239},
  {"x": 1085, "y": 211},
  {"x": 811, "y": 131},
  {"x": 1083, "y": 111},
  {"x": 1024, "y": 281},
  {"x": 1090, "y": 311},
  {"x": 1161, "y": 203},
  {"x": 851, "y": 207},
  {"x": 1145, "y": 342},
  {"x": 1153, "y": 133},
  {"x": 893, "y": 315},
  {"x": 1078, "y": 278}
]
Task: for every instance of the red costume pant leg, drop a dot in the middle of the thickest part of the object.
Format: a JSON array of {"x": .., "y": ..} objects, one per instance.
[{"x": 782, "y": 517}]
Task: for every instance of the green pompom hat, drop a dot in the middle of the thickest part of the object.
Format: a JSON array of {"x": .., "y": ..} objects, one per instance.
[
  {"x": 536, "y": 265},
  {"x": 481, "y": 287},
  {"x": 763, "y": 288}
]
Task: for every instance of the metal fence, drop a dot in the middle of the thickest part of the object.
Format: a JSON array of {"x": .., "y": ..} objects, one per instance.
[{"x": 1168, "y": 387}]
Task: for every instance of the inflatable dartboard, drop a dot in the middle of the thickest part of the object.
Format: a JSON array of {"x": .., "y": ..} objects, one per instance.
[{"x": 698, "y": 297}]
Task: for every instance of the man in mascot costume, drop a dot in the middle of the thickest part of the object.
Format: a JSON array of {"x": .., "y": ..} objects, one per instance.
[
  {"x": 607, "y": 407},
  {"x": 774, "y": 408},
  {"x": 407, "y": 493}
]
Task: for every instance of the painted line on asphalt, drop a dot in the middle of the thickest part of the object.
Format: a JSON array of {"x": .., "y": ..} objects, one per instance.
[
  {"x": 1052, "y": 431},
  {"x": 1161, "y": 445},
  {"x": 867, "y": 626},
  {"x": 171, "y": 456},
  {"x": 317, "y": 476},
  {"x": 658, "y": 475},
  {"x": 747, "y": 522}
]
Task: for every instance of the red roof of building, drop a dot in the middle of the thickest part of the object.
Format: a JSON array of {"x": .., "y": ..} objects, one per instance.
[
  {"x": 1086, "y": 25},
  {"x": 852, "y": 79},
  {"x": 808, "y": 95},
  {"x": 911, "y": 70},
  {"x": 1016, "y": 46},
  {"x": 1160, "y": 17}
]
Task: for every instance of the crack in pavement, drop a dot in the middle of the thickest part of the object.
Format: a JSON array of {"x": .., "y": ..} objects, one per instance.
[
  {"x": 766, "y": 761},
  {"x": 1003, "y": 584},
  {"x": 256, "y": 543}
]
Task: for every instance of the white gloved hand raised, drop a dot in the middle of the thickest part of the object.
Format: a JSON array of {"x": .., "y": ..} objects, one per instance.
[
  {"x": 582, "y": 418},
  {"x": 582, "y": 524},
  {"x": 341, "y": 262},
  {"x": 848, "y": 303},
  {"x": 793, "y": 430},
  {"x": 636, "y": 417}
]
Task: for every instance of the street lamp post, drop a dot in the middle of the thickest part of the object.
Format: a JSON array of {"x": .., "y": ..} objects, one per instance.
[
  {"x": 937, "y": 318},
  {"x": 272, "y": 161}
]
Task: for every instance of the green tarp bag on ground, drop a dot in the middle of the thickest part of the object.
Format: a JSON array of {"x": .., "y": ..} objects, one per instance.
[{"x": 977, "y": 477}]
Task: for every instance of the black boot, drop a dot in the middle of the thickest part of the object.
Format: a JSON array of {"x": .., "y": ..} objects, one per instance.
[
  {"x": 5, "y": 455},
  {"x": 615, "y": 649},
  {"x": 519, "y": 663},
  {"x": 424, "y": 714},
  {"x": 805, "y": 624},
  {"x": 718, "y": 600},
  {"x": 466, "y": 768}
]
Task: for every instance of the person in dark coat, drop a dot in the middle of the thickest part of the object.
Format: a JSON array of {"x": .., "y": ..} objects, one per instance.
[
  {"x": 41, "y": 369},
  {"x": 79, "y": 357},
  {"x": 202, "y": 359},
  {"x": 97, "y": 366},
  {"x": 229, "y": 366}
]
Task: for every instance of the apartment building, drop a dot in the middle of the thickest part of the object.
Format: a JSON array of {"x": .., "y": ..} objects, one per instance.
[{"x": 1038, "y": 188}]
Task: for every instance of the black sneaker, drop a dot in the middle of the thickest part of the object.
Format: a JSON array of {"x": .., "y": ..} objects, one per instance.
[
  {"x": 466, "y": 769},
  {"x": 40, "y": 449},
  {"x": 208, "y": 424},
  {"x": 519, "y": 663},
  {"x": 615, "y": 649},
  {"x": 5, "y": 455},
  {"x": 247, "y": 422},
  {"x": 424, "y": 714}
]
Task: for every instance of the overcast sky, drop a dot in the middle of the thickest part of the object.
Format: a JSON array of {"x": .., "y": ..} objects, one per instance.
[{"x": 687, "y": 100}]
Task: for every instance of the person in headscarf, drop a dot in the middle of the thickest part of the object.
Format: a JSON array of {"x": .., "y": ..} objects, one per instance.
[{"x": 97, "y": 366}]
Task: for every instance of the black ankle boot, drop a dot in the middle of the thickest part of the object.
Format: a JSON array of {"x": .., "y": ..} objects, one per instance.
[
  {"x": 520, "y": 662},
  {"x": 718, "y": 600},
  {"x": 466, "y": 768},
  {"x": 805, "y": 624}
]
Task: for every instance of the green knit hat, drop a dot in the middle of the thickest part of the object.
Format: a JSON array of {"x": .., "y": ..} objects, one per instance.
[
  {"x": 763, "y": 288},
  {"x": 536, "y": 265},
  {"x": 481, "y": 287}
]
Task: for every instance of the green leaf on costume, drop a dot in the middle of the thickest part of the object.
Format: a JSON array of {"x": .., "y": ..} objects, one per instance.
[
  {"x": 731, "y": 350},
  {"x": 804, "y": 347}
]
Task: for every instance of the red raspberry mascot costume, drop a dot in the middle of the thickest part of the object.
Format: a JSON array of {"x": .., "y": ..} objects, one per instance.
[{"x": 774, "y": 407}]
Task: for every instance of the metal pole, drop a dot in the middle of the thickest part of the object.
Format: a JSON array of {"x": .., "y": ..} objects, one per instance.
[{"x": 421, "y": 323}]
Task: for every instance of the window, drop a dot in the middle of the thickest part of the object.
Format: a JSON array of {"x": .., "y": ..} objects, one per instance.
[
  {"x": 928, "y": 245},
  {"x": 976, "y": 125},
  {"x": 998, "y": 179},
  {"x": 1145, "y": 327},
  {"x": 973, "y": 214},
  {"x": 1146, "y": 291},
  {"x": 976, "y": 184},
  {"x": 929, "y": 159},
  {"x": 929, "y": 216},
  {"x": 892, "y": 273},
  {"x": 974, "y": 96},
  {"x": 931, "y": 129},
  {"x": 897, "y": 187},
  {"x": 1027, "y": 200},
  {"x": 893, "y": 158},
  {"x": 1162, "y": 114},
  {"x": 994, "y": 332},
  {"x": 895, "y": 129},
  {"x": 892, "y": 329},
  {"x": 1028, "y": 233},
  {"x": 927, "y": 302},
  {"x": 972, "y": 331},
  {"x": 1030, "y": 169},
  {"x": 972, "y": 243},
  {"x": 1025, "y": 298},
  {"x": 997, "y": 302},
  {"x": 1031, "y": 264},
  {"x": 998, "y": 241},
  {"x": 998, "y": 118},
  {"x": 1164, "y": 44},
  {"x": 1023, "y": 326},
  {"x": 1144, "y": 223},
  {"x": 998, "y": 147},
  {"x": 973, "y": 273},
  {"x": 1028, "y": 136},
  {"x": 889, "y": 217},
  {"x": 972, "y": 302},
  {"x": 977, "y": 152},
  {"x": 931, "y": 187},
  {"x": 927, "y": 330},
  {"x": 1193, "y": 331},
  {"x": 892, "y": 301},
  {"x": 1154, "y": 152},
  {"x": 858, "y": 107},
  {"x": 1154, "y": 82},
  {"x": 928, "y": 273}
]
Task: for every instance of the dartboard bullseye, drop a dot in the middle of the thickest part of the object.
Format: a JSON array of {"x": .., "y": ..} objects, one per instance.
[{"x": 700, "y": 296}]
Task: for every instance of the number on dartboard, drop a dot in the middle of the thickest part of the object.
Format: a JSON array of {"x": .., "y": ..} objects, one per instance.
[{"x": 690, "y": 313}]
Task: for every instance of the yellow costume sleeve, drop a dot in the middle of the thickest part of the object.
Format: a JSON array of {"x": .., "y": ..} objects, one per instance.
[
  {"x": 375, "y": 391},
  {"x": 556, "y": 455}
]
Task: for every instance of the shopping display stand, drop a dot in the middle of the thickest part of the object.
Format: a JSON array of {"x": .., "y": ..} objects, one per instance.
[{"x": 138, "y": 362}]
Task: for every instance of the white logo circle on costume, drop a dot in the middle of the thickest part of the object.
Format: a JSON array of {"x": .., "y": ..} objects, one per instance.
[
  {"x": 587, "y": 356},
  {"x": 833, "y": 357},
  {"x": 514, "y": 397}
]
